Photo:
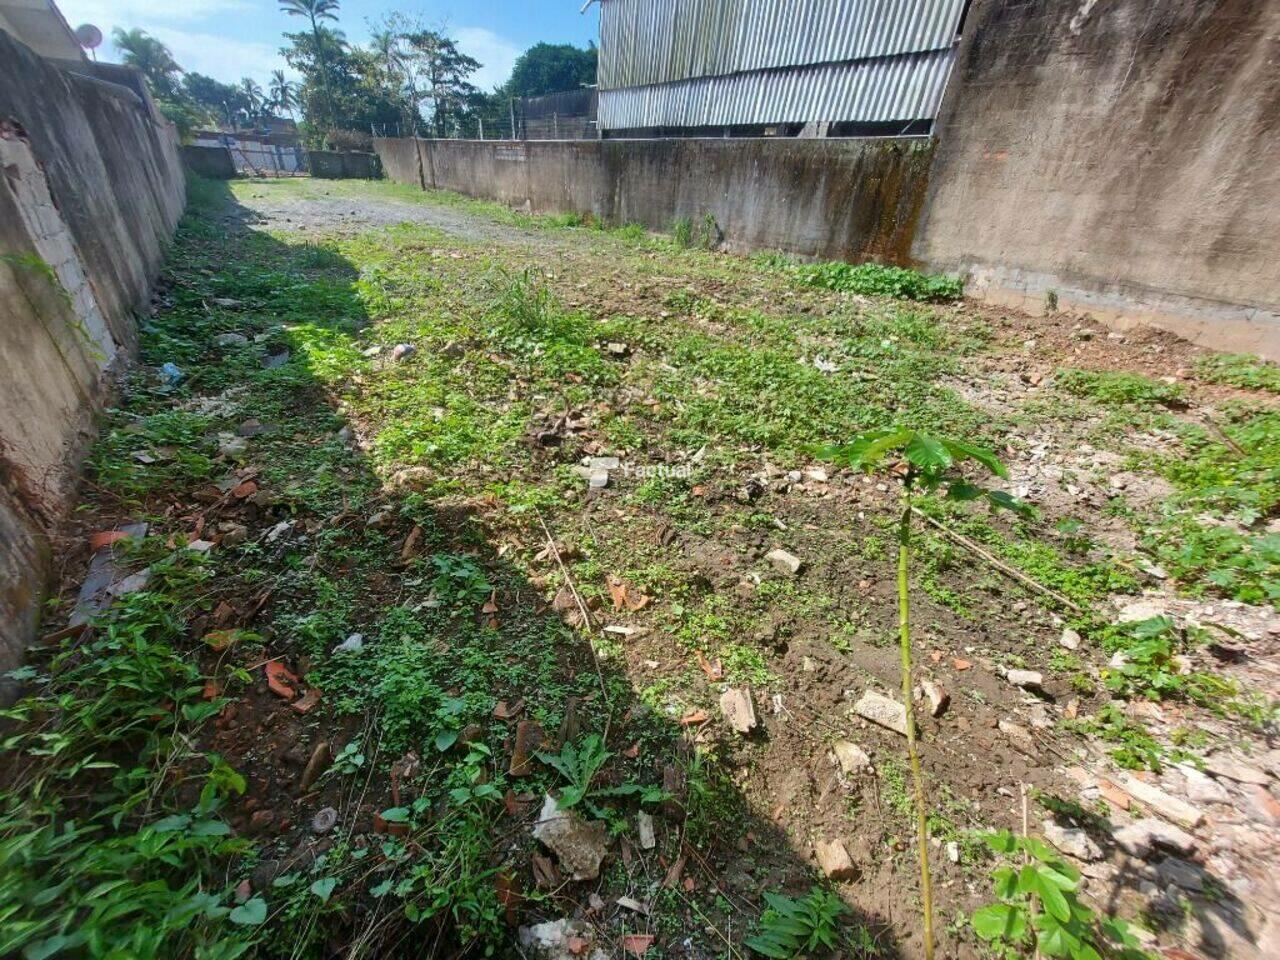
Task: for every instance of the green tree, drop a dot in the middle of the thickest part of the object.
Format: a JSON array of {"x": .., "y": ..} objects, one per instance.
[
  {"x": 342, "y": 87},
  {"x": 219, "y": 102},
  {"x": 445, "y": 70},
  {"x": 256, "y": 100},
  {"x": 152, "y": 58},
  {"x": 315, "y": 11},
  {"x": 283, "y": 93},
  {"x": 551, "y": 68}
]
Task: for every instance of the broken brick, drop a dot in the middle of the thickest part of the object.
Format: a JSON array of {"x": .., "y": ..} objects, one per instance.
[{"x": 281, "y": 680}]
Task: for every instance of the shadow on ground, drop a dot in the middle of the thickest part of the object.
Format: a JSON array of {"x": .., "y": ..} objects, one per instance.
[{"x": 395, "y": 769}]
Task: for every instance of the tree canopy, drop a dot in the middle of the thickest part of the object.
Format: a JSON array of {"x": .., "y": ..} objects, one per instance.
[{"x": 551, "y": 68}]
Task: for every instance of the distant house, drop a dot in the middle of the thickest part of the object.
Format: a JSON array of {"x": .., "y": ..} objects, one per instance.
[{"x": 774, "y": 67}]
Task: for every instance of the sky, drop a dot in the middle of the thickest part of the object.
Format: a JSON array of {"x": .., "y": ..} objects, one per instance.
[{"x": 230, "y": 39}]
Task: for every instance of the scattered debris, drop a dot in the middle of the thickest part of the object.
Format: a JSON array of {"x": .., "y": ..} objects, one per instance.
[
  {"x": 1026, "y": 679},
  {"x": 834, "y": 859},
  {"x": 326, "y": 819},
  {"x": 1072, "y": 841},
  {"x": 579, "y": 846},
  {"x": 1018, "y": 735},
  {"x": 1153, "y": 798},
  {"x": 307, "y": 702},
  {"x": 637, "y": 944},
  {"x": 1140, "y": 837},
  {"x": 644, "y": 825},
  {"x": 938, "y": 698},
  {"x": 883, "y": 711},
  {"x": 529, "y": 738},
  {"x": 353, "y": 644},
  {"x": 632, "y": 904},
  {"x": 784, "y": 562},
  {"x": 739, "y": 709},
  {"x": 318, "y": 764},
  {"x": 280, "y": 679},
  {"x": 402, "y": 350},
  {"x": 851, "y": 757}
]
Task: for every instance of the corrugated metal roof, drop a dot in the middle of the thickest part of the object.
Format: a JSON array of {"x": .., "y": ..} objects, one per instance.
[
  {"x": 644, "y": 42},
  {"x": 901, "y": 88}
]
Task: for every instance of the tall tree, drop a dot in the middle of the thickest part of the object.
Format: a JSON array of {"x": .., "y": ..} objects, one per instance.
[
  {"x": 152, "y": 58},
  {"x": 221, "y": 102},
  {"x": 445, "y": 69},
  {"x": 283, "y": 93},
  {"x": 315, "y": 11},
  {"x": 551, "y": 68},
  {"x": 253, "y": 94}
]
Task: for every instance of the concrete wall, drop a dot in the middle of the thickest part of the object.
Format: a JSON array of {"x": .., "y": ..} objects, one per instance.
[
  {"x": 212, "y": 163},
  {"x": 344, "y": 165},
  {"x": 854, "y": 199},
  {"x": 1122, "y": 153},
  {"x": 91, "y": 189}
]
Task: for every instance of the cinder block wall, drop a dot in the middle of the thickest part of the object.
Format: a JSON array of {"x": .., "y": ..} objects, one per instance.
[{"x": 91, "y": 189}]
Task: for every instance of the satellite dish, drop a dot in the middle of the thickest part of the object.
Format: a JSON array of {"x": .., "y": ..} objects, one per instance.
[{"x": 88, "y": 36}]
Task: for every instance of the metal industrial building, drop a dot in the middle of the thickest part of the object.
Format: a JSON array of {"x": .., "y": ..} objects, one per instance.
[{"x": 774, "y": 67}]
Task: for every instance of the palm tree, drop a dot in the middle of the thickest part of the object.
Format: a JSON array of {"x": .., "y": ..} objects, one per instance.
[
  {"x": 284, "y": 93},
  {"x": 149, "y": 56},
  {"x": 315, "y": 11},
  {"x": 253, "y": 95}
]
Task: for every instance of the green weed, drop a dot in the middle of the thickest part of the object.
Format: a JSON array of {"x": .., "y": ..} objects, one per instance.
[{"x": 874, "y": 279}]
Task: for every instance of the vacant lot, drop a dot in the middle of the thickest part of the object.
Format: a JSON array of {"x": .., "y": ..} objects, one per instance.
[{"x": 483, "y": 509}]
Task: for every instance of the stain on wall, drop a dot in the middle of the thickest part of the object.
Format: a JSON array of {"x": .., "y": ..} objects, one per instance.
[
  {"x": 1121, "y": 153},
  {"x": 91, "y": 189},
  {"x": 838, "y": 199}
]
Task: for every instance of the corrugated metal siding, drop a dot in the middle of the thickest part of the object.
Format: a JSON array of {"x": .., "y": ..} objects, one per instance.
[
  {"x": 901, "y": 88},
  {"x": 644, "y": 42}
]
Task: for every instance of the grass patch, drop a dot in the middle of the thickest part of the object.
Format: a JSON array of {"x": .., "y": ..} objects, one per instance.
[{"x": 874, "y": 279}]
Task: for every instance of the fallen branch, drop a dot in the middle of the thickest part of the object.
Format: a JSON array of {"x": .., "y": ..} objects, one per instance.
[
  {"x": 998, "y": 563},
  {"x": 582, "y": 608}
]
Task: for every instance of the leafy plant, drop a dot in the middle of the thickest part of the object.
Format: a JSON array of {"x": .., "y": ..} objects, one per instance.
[
  {"x": 459, "y": 581},
  {"x": 578, "y": 765},
  {"x": 1037, "y": 908},
  {"x": 1115, "y": 387},
  {"x": 924, "y": 462},
  {"x": 1240, "y": 370},
  {"x": 788, "y": 927},
  {"x": 878, "y": 280}
]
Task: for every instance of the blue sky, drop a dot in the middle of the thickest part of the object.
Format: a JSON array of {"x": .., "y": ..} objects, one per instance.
[{"x": 230, "y": 39}]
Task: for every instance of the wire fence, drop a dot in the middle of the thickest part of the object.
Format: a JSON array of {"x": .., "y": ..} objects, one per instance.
[{"x": 557, "y": 116}]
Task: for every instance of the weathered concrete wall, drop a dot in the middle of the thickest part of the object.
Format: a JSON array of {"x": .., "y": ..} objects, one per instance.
[
  {"x": 854, "y": 199},
  {"x": 344, "y": 165},
  {"x": 91, "y": 189},
  {"x": 1121, "y": 153},
  {"x": 212, "y": 163}
]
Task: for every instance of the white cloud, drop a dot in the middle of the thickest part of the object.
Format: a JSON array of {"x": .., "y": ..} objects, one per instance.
[
  {"x": 138, "y": 13},
  {"x": 222, "y": 58},
  {"x": 497, "y": 54}
]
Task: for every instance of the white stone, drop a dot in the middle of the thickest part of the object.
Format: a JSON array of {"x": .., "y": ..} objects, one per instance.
[
  {"x": 1140, "y": 837},
  {"x": 882, "y": 711},
  {"x": 1202, "y": 789},
  {"x": 784, "y": 562},
  {"x": 579, "y": 846},
  {"x": 644, "y": 824},
  {"x": 1071, "y": 841},
  {"x": 1228, "y": 768},
  {"x": 851, "y": 757},
  {"x": 1026, "y": 679},
  {"x": 1153, "y": 798},
  {"x": 1069, "y": 639},
  {"x": 739, "y": 709}
]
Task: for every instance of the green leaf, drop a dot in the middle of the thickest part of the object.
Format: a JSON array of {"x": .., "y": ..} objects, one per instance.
[
  {"x": 171, "y": 824},
  {"x": 1002, "y": 500},
  {"x": 396, "y": 815},
  {"x": 961, "y": 490},
  {"x": 928, "y": 453},
  {"x": 250, "y": 913},
  {"x": 209, "y": 828},
  {"x": 1000, "y": 921},
  {"x": 323, "y": 888},
  {"x": 967, "y": 451},
  {"x": 381, "y": 889},
  {"x": 446, "y": 739}
]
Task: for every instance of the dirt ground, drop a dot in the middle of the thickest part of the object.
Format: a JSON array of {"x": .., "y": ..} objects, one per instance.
[{"x": 428, "y": 467}]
